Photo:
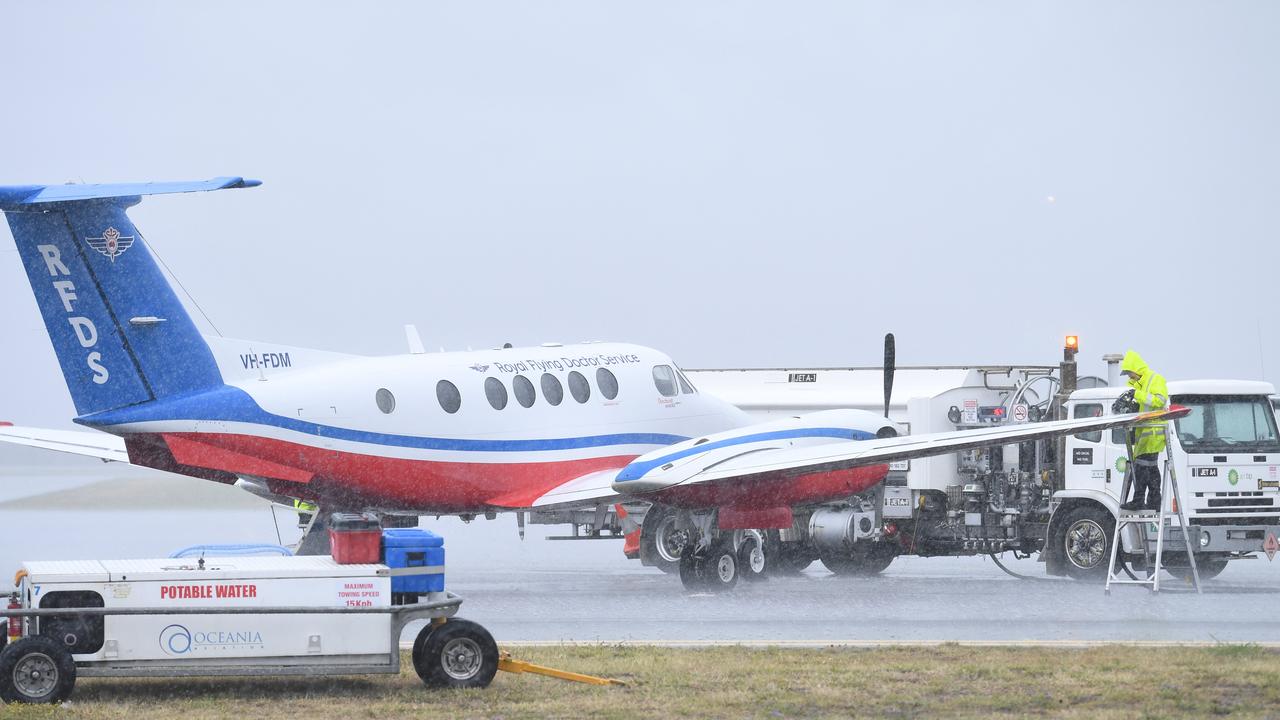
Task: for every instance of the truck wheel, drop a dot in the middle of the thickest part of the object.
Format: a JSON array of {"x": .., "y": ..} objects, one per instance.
[
  {"x": 660, "y": 542},
  {"x": 1085, "y": 541},
  {"x": 859, "y": 561},
  {"x": 788, "y": 558},
  {"x": 1208, "y": 568},
  {"x": 457, "y": 654},
  {"x": 36, "y": 669}
]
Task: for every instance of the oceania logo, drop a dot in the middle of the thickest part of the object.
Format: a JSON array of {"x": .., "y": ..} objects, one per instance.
[
  {"x": 175, "y": 640},
  {"x": 178, "y": 640}
]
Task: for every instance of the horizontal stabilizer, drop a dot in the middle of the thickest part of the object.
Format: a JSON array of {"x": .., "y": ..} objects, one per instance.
[
  {"x": 77, "y": 442},
  {"x": 14, "y": 197}
]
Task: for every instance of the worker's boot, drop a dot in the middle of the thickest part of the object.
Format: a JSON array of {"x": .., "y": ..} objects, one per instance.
[
  {"x": 1153, "y": 501},
  {"x": 1136, "y": 503}
]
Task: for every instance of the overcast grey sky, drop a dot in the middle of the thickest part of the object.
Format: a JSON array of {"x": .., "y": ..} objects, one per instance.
[{"x": 739, "y": 184}]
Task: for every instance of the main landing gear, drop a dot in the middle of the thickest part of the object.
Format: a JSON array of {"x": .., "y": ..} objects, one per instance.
[
  {"x": 709, "y": 559},
  {"x": 711, "y": 569},
  {"x": 747, "y": 555}
]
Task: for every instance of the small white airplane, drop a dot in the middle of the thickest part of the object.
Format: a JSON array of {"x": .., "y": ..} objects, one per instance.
[{"x": 555, "y": 426}]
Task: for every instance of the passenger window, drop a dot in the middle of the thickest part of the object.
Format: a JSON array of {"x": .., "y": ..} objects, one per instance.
[
  {"x": 1089, "y": 410},
  {"x": 385, "y": 400},
  {"x": 664, "y": 378},
  {"x": 524, "y": 391},
  {"x": 578, "y": 387},
  {"x": 552, "y": 390},
  {"x": 447, "y": 394},
  {"x": 1117, "y": 436},
  {"x": 496, "y": 392},
  {"x": 607, "y": 382}
]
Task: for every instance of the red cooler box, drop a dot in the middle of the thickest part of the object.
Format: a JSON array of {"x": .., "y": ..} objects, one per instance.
[{"x": 355, "y": 539}]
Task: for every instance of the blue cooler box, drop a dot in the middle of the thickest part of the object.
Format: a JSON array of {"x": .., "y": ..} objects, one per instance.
[{"x": 414, "y": 547}]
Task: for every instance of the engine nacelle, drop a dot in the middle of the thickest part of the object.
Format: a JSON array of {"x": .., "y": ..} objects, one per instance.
[{"x": 836, "y": 529}]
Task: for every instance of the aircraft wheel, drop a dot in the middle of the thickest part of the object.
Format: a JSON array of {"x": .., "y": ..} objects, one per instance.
[
  {"x": 35, "y": 670},
  {"x": 692, "y": 568},
  {"x": 661, "y": 543},
  {"x": 753, "y": 557},
  {"x": 457, "y": 654},
  {"x": 720, "y": 567}
]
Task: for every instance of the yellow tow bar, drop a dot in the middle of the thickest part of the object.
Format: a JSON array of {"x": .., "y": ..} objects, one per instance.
[{"x": 509, "y": 664}]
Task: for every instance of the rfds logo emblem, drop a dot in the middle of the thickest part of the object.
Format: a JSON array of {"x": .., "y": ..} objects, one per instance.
[{"x": 111, "y": 244}]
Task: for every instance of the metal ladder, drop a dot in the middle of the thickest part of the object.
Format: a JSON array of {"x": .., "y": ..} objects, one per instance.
[{"x": 1142, "y": 518}]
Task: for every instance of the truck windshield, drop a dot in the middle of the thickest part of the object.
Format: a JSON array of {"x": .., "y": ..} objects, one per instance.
[{"x": 1227, "y": 423}]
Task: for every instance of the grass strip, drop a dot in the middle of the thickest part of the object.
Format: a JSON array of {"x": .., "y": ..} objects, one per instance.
[{"x": 731, "y": 682}]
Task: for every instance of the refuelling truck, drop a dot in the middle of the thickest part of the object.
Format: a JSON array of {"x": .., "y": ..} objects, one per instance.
[{"x": 1053, "y": 500}]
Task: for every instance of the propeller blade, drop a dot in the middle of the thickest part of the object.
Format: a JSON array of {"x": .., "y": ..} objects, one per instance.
[{"x": 890, "y": 364}]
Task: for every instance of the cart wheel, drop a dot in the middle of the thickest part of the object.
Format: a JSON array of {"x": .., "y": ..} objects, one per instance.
[
  {"x": 36, "y": 669},
  {"x": 458, "y": 654},
  {"x": 419, "y": 654}
]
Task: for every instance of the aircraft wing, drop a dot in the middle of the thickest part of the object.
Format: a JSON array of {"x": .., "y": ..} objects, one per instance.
[
  {"x": 591, "y": 489},
  {"x": 594, "y": 488},
  {"x": 77, "y": 442},
  {"x": 774, "y": 464}
]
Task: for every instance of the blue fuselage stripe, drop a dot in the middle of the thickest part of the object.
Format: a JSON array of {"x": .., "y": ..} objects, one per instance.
[
  {"x": 637, "y": 470},
  {"x": 230, "y": 404}
]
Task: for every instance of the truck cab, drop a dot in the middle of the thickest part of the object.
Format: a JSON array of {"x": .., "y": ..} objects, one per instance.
[{"x": 1226, "y": 454}]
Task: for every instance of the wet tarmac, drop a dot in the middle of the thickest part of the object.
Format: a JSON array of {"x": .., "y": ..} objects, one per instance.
[
  {"x": 585, "y": 591},
  {"x": 916, "y": 599}
]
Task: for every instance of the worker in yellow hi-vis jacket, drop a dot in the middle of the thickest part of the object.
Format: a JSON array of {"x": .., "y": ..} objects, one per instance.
[{"x": 1149, "y": 392}]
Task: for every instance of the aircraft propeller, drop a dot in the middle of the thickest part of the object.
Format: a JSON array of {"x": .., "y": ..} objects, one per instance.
[{"x": 889, "y": 367}]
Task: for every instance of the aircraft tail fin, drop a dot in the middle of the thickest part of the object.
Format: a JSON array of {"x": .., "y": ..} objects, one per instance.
[{"x": 121, "y": 334}]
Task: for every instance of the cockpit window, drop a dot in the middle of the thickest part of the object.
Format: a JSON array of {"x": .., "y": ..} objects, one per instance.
[
  {"x": 1227, "y": 423},
  {"x": 686, "y": 387},
  {"x": 664, "y": 378}
]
